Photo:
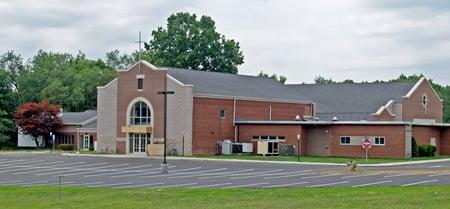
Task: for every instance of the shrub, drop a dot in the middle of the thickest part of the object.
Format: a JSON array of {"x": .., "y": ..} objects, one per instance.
[
  {"x": 65, "y": 147},
  {"x": 414, "y": 148},
  {"x": 426, "y": 150}
]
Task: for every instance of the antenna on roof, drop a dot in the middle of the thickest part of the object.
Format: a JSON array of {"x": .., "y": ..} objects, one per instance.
[{"x": 140, "y": 50}]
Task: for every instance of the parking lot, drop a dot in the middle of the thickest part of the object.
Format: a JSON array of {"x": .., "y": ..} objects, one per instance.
[{"x": 28, "y": 169}]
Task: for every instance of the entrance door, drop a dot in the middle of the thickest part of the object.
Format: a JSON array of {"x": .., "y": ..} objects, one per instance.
[
  {"x": 138, "y": 142},
  {"x": 86, "y": 142}
]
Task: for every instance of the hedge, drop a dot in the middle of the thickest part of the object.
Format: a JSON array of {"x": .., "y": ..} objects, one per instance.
[
  {"x": 65, "y": 147},
  {"x": 426, "y": 150}
]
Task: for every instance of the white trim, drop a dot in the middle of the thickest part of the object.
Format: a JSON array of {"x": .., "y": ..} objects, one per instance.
[
  {"x": 108, "y": 84},
  {"x": 140, "y": 76},
  {"x": 414, "y": 88},
  {"x": 385, "y": 107},
  {"x": 179, "y": 83},
  {"x": 143, "y": 62},
  {"x": 152, "y": 117},
  {"x": 327, "y": 122},
  {"x": 215, "y": 96}
]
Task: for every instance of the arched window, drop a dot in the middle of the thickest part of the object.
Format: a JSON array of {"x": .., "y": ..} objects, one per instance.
[
  {"x": 140, "y": 114},
  {"x": 424, "y": 100}
]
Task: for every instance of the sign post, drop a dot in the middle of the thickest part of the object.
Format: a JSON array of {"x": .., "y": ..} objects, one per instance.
[{"x": 366, "y": 144}]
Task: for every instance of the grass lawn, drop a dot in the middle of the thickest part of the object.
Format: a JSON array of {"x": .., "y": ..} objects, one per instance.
[
  {"x": 318, "y": 159},
  {"x": 369, "y": 197}
]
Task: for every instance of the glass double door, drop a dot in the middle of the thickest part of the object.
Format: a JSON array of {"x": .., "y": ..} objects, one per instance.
[{"x": 138, "y": 142}]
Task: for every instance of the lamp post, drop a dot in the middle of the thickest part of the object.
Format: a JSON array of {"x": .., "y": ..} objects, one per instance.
[
  {"x": 164, "y": 166},
  {"x": 298, "y": 147}
]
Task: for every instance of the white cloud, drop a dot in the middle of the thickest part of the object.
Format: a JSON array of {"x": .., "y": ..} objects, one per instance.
[{"x": 360, "y": 40}]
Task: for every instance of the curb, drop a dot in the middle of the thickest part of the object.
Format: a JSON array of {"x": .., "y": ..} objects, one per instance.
[{"x": 249, "y": 161}]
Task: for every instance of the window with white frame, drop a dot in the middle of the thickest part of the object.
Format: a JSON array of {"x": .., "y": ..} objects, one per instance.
[
  {"x": 268, "y": 138},
  {"x": 140, "y": 114},
  {"x": 345, "y": 140},
  {"x": 222, "y": 113},
  {"x": 379, "y": 140}
]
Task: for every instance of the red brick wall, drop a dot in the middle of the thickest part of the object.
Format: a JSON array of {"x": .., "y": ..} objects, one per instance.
[
  {"x": 423, "y": 135},
  {"x": 289, "y": 131},
  {"x": 412, "y": 106},
  {"x": 208, "y": 127},
  {"x": 394, "y": 141},
  {"x": 256, "y": 110},
  {"x": 127, "y": 91},
  {"x": 445, "y": 141}
]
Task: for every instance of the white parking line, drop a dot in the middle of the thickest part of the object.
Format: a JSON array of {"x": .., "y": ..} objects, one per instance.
[
  {"x": 356, "y": 176},
  {"x": 21, "y": 163},
  {"x": 176, "y": 185},
  {"x": 269, "y": 174},
  {"x": 12, "y": 162},
  {"x": 329, "y": 184},
  {"x": 139, "y": 185},
  {"x": 285, "y": 185},
  {"x": 119, "y": 172},
  {"x": 439, "y": 174},
  {"x": 82, "y": 184},
  {"x": 141, "y": 173},
  {"x": 195, "y": 174},
  {"x": 25, "y": 168},
  {"x": 436, "y": 166},
  {"x": 420, "y": 182},
  {"x": 96, "y": 170},
  {"x": 69, "y": 169},
  {"x": 321, "y": 176},
  {"x": 182, "y": 173},
  {"x": 398, "y": 175},
  {"x": 36, "y": 166},
  {"x": 107, "y": 185},
  {"x": 210, "y": 185},
  {"x": 246, "y": 185},
  {"x": 2, "y": 160},
  {"x": 286, "y": 176},
  {"x": 30, "y": 183},
  {"x": 10, "y": 182},
  {"x": 370, "y": 184},
  {"x": 223, "y": 174}
]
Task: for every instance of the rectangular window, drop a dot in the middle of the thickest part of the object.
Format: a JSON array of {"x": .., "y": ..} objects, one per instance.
[
  {"x": 379, "y": 140},
  {"x": 222, "y": 113},
  {"x": 140, "y": 83},
  {"x": 255, "y": 138},
  {"x": 345, "y": 140}
]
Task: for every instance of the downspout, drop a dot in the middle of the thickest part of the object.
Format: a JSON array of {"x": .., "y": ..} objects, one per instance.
[
  {"x": 270, "y": 113},
  {"x": 234, "y": 120}
]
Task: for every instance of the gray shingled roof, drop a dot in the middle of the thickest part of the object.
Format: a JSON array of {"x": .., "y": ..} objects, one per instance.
[
  {"x": 225, "y": 84},
  {"x": 351, "y": 101},
  {"x": 92, "y": 124},
  {"x": 78, "y": 117}
]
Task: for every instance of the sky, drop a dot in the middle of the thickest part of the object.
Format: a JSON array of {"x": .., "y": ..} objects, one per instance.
[{"x": 362, "y": 40}]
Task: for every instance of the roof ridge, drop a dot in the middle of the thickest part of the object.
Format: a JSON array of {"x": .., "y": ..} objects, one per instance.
[
  {"x": 356, "y": 83},
  {"x": 221, "y": 73}
]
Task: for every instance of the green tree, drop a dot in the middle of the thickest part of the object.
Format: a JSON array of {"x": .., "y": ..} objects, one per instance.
[
  {"x": 7, "y": 105},
  {"x": 64, "y": 79},
  {"x": 117, "y": 61},
  {"x": 281, "y": 79},
  {"x": 322, "y": 80},
  {"x": 194, "y": 44}
]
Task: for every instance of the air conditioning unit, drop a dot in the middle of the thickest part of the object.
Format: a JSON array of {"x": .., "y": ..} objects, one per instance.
[
  {"x": 268, "y": 148},
  {"x": 247, "y": 147},
  {"x": 227, "y": 147}
]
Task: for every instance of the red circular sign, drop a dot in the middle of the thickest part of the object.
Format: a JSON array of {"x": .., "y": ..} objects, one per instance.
[{"x": 366, "y": 143}]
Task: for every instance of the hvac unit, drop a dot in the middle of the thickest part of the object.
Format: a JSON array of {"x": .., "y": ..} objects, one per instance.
[
  {"x": 267, "y": 148},
  {"x": 247, "y": 147},
  {"x": 227, "y": 147}
]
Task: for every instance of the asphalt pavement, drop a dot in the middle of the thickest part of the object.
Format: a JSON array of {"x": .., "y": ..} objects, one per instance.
[{"x": 32, "y": 169}]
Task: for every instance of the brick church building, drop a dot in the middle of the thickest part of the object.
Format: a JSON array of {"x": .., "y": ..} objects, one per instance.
[{"x": 208, "y": 108}]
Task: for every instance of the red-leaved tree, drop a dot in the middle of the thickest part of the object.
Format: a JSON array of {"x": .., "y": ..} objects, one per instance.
[{"x": 38, "y": 119}]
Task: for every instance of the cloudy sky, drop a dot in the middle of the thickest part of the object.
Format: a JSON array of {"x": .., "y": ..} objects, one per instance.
[{"x": 354, "y": 39}]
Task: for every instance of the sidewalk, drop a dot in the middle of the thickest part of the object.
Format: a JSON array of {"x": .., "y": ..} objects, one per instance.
[{"x": 263, "y": 161}]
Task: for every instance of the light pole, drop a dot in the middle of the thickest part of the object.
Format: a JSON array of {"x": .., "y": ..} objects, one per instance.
[{"x": 164, "y": 166}]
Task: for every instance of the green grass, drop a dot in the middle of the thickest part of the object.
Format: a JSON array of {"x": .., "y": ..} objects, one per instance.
[
  {"x": 369, "y": 197},
  {"x": 318, "y": 159}
]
